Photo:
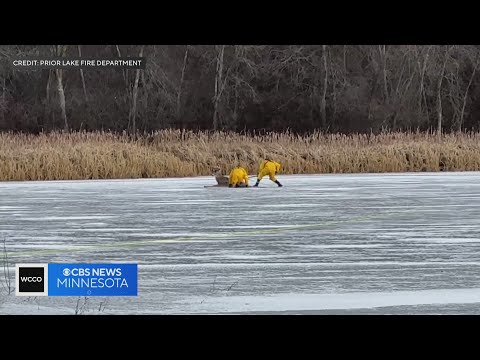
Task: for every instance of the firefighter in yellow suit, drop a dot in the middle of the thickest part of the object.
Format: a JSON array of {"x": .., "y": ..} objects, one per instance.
[
  {"x": 270, "y": 168},
  {"x": 238, "y": 177}
]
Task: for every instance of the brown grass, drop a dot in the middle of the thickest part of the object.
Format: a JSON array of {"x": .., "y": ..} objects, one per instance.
[{"x": 172, "y": 153}]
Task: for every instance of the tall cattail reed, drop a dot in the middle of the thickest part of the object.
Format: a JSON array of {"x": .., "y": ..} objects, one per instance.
[{"x": 175, "y": 153}]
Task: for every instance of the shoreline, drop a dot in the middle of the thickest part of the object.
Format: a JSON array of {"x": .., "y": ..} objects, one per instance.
[{"x": 208, "y": 177}]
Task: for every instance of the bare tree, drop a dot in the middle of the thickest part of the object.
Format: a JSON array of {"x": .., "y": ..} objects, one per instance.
[
  {"x": 82, "y": 76},
  {"x": 323, "y": 111},
  {"x": 60, "y": 51},
  {"x": 218, "y": 86},
  {"x": 180, "y": 86},
  {"x": 3, "y": 103},
  {"x": 133, "y": 113},
  {"x": 465, "y": 96},
  {"x": 439, "y": 90},
  {"x": 422, "y": 64},
  {"x": 383, "y": 56}
]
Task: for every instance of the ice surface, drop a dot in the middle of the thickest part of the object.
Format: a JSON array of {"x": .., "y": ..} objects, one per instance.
[{"x": 347, "y": 243}]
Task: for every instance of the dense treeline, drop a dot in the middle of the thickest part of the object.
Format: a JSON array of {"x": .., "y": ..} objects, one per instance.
[{"x": 331, "y": 88}]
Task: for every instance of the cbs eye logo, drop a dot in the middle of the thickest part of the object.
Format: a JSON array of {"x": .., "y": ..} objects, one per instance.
[{"x": 31, "y": 279}]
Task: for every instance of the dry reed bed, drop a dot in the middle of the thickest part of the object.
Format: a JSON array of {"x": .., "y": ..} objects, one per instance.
[{"x": 173, "y": 153}]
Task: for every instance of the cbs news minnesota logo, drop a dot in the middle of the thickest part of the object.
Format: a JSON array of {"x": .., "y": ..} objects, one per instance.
[{"x": 76, "y": 279}]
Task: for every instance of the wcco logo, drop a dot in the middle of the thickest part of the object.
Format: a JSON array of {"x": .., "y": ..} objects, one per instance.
[{"x": 31, "y": 279}]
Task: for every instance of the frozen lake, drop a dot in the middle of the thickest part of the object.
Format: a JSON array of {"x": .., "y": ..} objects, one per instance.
[{"x": 322, "y": 244}]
